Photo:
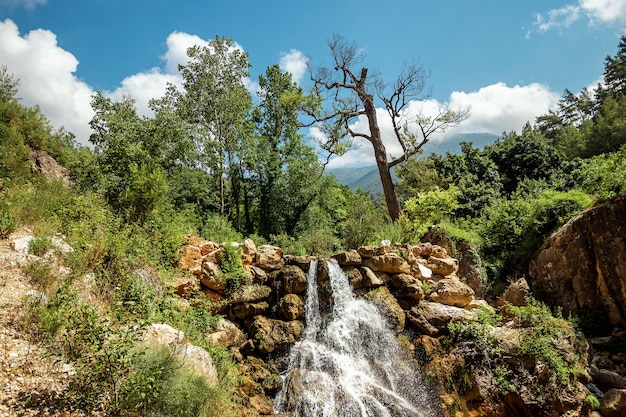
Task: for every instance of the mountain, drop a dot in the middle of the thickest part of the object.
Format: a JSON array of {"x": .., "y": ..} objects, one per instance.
[{"x": 368, "y": 179}]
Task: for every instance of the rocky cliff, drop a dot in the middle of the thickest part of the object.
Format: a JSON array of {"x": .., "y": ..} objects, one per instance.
[{"x": 582, "y": 266}]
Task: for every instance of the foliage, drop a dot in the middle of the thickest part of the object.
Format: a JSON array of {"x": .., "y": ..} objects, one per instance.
[
  {"x": 432, "y": 206},
  {"x": 39, "y": 246},
  {"x": 217, "y": 228},
  {"x": 231, "y": 265},
  {"x": 8, "y": 224},
  {"x": 592, "y": 402},
  {"x": 604, "y": 176},
  {"x": 479, "y": 333}
]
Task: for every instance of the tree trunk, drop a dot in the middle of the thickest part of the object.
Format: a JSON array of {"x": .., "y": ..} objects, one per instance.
[{"x": 380, "y": 153}]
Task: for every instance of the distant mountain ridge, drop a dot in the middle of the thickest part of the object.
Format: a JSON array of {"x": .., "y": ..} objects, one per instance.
[{"x": 368, "y": 179}]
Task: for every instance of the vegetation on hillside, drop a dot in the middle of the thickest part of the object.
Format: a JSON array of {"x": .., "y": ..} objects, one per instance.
[{"x": 213, "y": 162}]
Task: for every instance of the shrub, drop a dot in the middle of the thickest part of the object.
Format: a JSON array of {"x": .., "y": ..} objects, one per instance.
[
  {"x": 231, "y": 265},
  {"x": 592, "y": 402},
  {"x": 8, "y": 224},
  {"x": 39, "y": 246}
]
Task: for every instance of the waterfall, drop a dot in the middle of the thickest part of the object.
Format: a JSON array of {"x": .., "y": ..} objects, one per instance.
[{"x": 348, "y": 363}]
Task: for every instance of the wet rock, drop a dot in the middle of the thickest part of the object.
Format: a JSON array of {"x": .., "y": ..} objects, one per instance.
[
  {"x": 389, "y": 306},
  {"x": 354, "y": 277},
  {"x": 606, "y": 379}
]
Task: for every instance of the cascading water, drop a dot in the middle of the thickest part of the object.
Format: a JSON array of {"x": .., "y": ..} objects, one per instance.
[{"x": 348, "y": 363}]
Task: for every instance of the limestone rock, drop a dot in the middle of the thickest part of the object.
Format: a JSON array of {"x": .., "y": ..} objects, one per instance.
[
  {"x": 246, "y": 310},
  {"x": 303, "y": 262},
  {"x": 270, "y": 334},
  {"x": 291, "y": 307},
  {"x": 198, "y": 361},
  {"x": 516, "y": 294},
  {"x": 350, "y": 257},
  {"x": 389, "y": 263},
  {"x": 225, "y": 333},
  {"x": 452, "y": 292},
  {"x": 367, "y": 251},
  {"x": 45, "y": 164},
  {"x": 613, "y": 404},
  {"x": 22, "y": 243},
  {"x": 211, "y": 277},
  {"x": 269, "y": 257},
  {"x": 163, "y": 334},
  {"x": 442, "y": 266},
  {"x": 408, "y": 286},
  {"x": 248, "y": 251},
  {"x": 250, "y": 293},
  {"x": 578, "y": 267},
  {"x": 389, "y": 306},
  {"x": 290, "y": 280},
  {"x": 606, "y": 379},
  {"x": 186, "y": 285},
  {"x": 191, "y": 260},
  {"x": 370, "y": 279},
  {"x": 439, "y": 315},
  {"x": 355, "y": 278}
]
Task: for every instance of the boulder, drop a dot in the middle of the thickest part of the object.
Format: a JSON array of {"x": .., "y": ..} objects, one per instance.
[
  {"x": 22, "y": 243},
  {"x": 613, "y": 404},
  {"x": 211, "y": 277},
  {"x": 198, "y": 361},
  {"x": 442, "y": 266},
  {"x": 191, "y": 260},
  {"x": 271, "y": 335},
  {"x": 250, "y": 293},
  {"x": 389, "y": 263},
  {"x": 350, "y": 257},
  {"x": 290, "y": 280},
  {"x": 367, "y": 251},
  {"x": 248, "y": 252},
  {"x": 291, "y": 307},
  {"x": 214, "y": 256},
  {"x": 225, "y": 333},
  {"x": 162, "y": 334},
  {"x": 269, "y": 257},
  {"x": 303, "y": 262},
  {"x": 246, "y": 310},
  {"x": 186, "y": 285},
  {"x": 354, "y": 277},
  {"x": 439, "y": 315},
  {"x": 578, "y": 267},
  {"x": 452, "y": 292},
  {"x": 207, "y": 247},
  {"x": 606, "y": 379},
  {"x": 516, "y": 294},
  {"x": 389, "y": 306},
  {"x": 370, "y": 279},
  {"x": 408, "y": 286}
]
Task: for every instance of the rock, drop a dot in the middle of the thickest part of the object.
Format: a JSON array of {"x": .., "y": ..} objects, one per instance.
[
  {"x": 163, "y": 334},
  {"x": 250, "y": 293},
  {"x": 214, "y": 256},
  {"x": 367, "y": 251},
  {"x": 439, "y": 315},
  {"x": 191, "y": 260},
  {"x": 354, "y": 277},
  {"x": 469, "y": 268},
  {"x": 613, "y": 404},
  {"x": 186, "y": 285},
  {"x": 211, "y": 277},
  {"x": 290, "y": 280},
  {"x": 271, "y": 335},
  {"x": 421, "y": 272},
  {"x": 408, "y": 286},
  {"x": 246, "y": 310},
  {"x": 370, "y": 279},
  {"x": 248, "y": 252},
  {"x": 42, "y": 162},
  {"x": 60, "y": 246},
  {"x": 303, "y": 262},
  {"x": 225, "y": 333},
  {"x": 516, "y": 294},
  {"x": 389, "y": 263},
  {"x": 22, "y": 243},
  {"x": 606, "y": 379},
  {"x": 452, "y": 292},
  {"x": 198, "y": 361},
  {"x": 206, "y": 247},
  {"x": 269, "y": 257},
  {"x": 389, "y": 306},
  {"x": 577, "y": 267},
  {"x": 442, "y": 266},
  {"x": 259, "y": 276},
  {"x": 291, "y": 307},
  {"x": 351, "y": 257}
]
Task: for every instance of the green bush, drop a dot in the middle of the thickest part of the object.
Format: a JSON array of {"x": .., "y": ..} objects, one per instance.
[
  {"x": 231, "y": 265},
  {"x": 39, "y": 246},
  {"x": 8, "y": 224}
]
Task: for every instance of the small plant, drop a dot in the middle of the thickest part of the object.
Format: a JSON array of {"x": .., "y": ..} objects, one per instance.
[
  {"x": 232, "y": 268},
  {"x": 39, "y": 246},
  {"x": 40, "y": 274},
  {"x": 8, "y": 224},
  {"x": 592, "y": 402},
  {"x": 503, "y": 379},
  {"x": 426, "y": 288}
]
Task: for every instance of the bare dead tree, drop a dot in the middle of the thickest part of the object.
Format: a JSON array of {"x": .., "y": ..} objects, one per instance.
[{"x": 349, "y": 91}]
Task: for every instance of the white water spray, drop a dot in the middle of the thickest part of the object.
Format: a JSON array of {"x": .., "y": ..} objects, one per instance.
[{"x": 348, "y": 364}]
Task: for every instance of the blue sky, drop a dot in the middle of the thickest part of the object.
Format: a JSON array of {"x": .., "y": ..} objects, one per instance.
[{"x": 509, "y": 61}]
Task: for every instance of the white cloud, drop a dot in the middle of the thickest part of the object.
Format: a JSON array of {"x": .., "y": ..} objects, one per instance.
[
  {"x": 47, "y": 77},
  {"x": 27, "y": 4},
  {"x": 494, "y": 109},
  {"x": 294, "y": 62},
  {"x": 597, "y": 12}
]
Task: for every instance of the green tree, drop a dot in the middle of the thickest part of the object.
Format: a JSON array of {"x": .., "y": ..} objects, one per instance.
[{"x": 216, "y": 103}]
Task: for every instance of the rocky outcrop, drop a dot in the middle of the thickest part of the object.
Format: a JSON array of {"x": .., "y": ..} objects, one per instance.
[{"x": 577, "y": 268}]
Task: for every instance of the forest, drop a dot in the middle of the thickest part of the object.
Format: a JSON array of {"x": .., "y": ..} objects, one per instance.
[{"x": 214, "y": 161}]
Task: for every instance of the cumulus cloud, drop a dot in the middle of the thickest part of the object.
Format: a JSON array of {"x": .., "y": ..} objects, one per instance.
[
  {"x": 47, "y": 77},
  {"x": 595, "y": 11},
  {"x": 294, "y": 62},
  {"x": 27, "y": 4},
  {"x": 494, "y": 109}
]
